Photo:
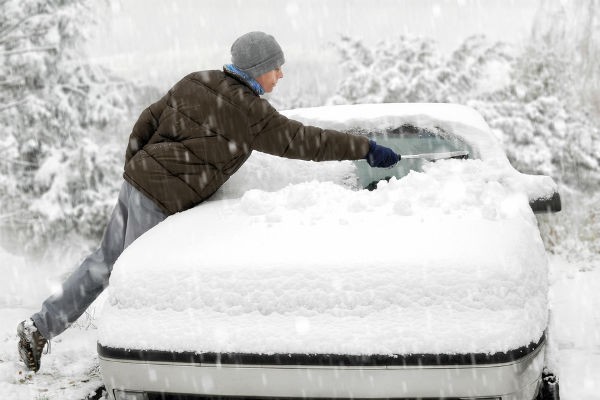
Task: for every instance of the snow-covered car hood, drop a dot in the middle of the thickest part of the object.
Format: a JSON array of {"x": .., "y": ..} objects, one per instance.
[{"x": 448, "y": 260}]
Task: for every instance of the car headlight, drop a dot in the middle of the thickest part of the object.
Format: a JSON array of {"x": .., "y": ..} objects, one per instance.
[
  {"x": 480, "y": 398},
  {"x": 129, "y": 395}
]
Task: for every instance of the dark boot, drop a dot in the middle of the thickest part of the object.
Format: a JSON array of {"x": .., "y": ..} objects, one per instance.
[{"x": 31, "y": 344}]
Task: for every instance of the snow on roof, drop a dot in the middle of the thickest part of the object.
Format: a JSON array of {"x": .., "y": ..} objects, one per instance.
[{"x": 449, "y": 260}]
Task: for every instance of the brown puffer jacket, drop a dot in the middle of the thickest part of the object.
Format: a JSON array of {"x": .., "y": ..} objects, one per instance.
[{"x": 186, "y": 145}]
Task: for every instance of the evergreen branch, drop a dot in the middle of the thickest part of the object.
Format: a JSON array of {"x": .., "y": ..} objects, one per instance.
[
  {"x": 37, "y": 49},
  {"x": 74, "y": 90},
  {"x": 8, "y": 30},
  {"x": 11, "y": 219},
  {"x": 13, "y": 82},
  {"x": 9, "y": 38},
  {"x": 12, "y": 214},
  {"x": 13, "y": 104},
  {"x": 18, "y": 162}
]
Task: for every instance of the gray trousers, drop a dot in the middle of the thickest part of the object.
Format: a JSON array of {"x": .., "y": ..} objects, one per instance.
[{"x": 133, "y": 215}]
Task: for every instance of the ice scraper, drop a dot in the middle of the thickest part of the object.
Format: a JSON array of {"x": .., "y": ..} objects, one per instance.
[{"x": 462, "y": 154}]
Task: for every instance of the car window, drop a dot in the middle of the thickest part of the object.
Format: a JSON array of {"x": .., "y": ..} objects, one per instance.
[{"x": 405, "y": 139}]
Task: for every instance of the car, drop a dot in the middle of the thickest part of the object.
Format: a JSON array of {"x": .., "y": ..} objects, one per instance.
[{"x": 335, "y": 280}]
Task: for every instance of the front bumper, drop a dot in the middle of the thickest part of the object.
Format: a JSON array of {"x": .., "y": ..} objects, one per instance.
[{"x": 164, "y": 375}]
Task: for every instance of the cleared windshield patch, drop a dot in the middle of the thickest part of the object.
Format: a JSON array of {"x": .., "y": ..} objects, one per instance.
[{"x": 405, "y": 139}]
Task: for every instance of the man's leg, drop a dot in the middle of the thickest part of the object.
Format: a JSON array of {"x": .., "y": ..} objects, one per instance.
[
  {"x": 80, "y": 289},
  {"x": 133, "y": 215}
]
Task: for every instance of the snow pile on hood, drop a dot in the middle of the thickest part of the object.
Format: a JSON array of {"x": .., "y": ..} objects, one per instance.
[
  {"x": 445, "y": 261},
  {"x": 269, "y": 173}
]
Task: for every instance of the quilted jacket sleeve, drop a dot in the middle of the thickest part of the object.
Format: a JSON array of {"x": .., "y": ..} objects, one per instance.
[{"x": 276, "y": 134}]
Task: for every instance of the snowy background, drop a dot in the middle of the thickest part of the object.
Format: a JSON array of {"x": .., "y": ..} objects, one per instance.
[{"x": 74, "y": 76}]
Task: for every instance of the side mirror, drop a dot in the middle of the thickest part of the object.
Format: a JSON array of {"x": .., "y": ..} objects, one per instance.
[
  {"x": 542, "y": 192},
  {"x": 546, "y": 204}
]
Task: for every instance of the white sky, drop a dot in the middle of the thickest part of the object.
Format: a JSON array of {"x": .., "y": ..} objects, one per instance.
[{"x": 158, "y": 42}]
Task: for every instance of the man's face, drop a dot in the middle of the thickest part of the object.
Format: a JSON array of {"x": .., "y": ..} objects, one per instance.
[{"x": 268, "y": 80}]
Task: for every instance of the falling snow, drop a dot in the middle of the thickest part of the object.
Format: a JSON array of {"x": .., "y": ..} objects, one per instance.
[{"x": 62, "y": 160}]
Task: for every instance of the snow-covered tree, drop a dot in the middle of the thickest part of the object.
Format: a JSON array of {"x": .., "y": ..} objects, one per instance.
[
  {"x": 572, "y": 30},
  {"x": 412, "y": 69},
  {"x": 57, "y": 171},
  {"x": 531, "y": 98},
  {"x": 544, "y": 120},
  {"x": 557, "y": 78},
  {"x": 527, "y": 98}
]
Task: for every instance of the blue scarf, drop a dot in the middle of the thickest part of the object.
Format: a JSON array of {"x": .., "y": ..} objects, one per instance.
[{"x": 254, "y": 85}]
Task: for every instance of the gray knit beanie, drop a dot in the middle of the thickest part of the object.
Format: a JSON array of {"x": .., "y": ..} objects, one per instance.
[{"x": 256, "y": 53}]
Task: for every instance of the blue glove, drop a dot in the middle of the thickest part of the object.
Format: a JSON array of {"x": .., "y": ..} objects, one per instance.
[{"x": 381, "y": 156}]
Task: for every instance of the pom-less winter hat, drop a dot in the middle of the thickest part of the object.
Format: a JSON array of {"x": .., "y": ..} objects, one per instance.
[{"x": 256, "y": 53}]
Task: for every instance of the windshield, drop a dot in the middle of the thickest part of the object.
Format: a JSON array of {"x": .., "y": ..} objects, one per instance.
[{"x": 406, "y": 139}]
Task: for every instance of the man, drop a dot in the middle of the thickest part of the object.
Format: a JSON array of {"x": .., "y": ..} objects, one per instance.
[{"x": 181, "y": 150}]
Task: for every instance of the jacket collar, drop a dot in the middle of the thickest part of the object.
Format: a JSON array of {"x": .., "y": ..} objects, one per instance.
[{"x": 244, "y": 77}]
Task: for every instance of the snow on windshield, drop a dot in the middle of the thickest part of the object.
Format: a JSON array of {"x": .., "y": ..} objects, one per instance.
[
  {"x": 463, "y": 122},
  {"x": 449, "y": 260},
  {"x": 271, "y": 173}
]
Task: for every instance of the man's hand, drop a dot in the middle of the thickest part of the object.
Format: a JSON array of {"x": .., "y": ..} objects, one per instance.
[{"x": 381, "y": 156}]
